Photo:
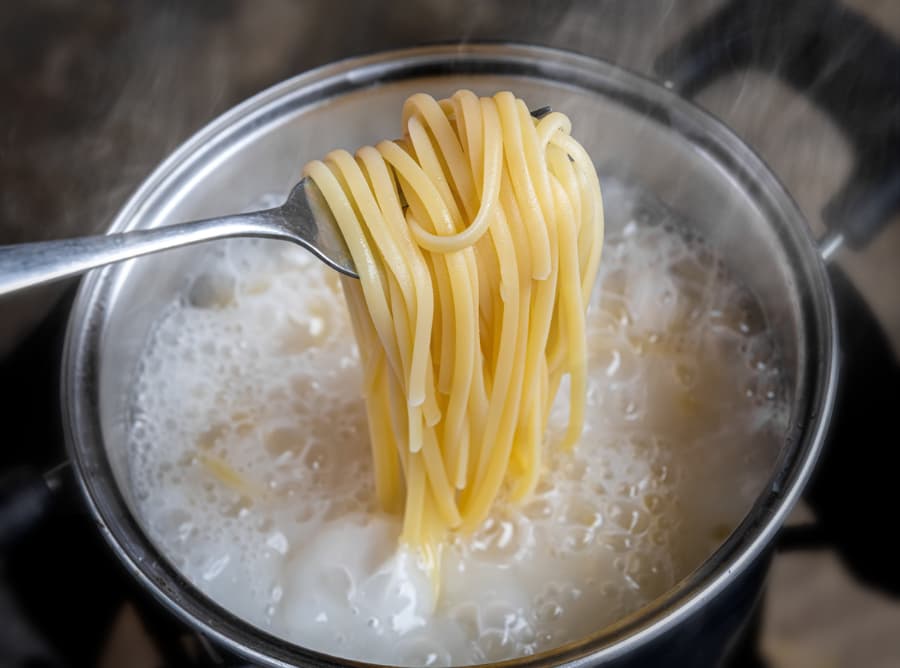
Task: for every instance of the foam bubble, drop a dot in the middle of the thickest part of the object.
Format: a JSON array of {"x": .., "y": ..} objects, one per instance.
[{"x": 250, "y": 463}]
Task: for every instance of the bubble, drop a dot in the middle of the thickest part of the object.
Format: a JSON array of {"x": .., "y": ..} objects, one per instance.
[
  {"x": 466, "y": 616},
  {"x": 315, "y": 457},
  {"x": 261, "y": 378},
  {"x": 538, "y": 510},
  {"x": 499, "y": 540},
  {"x": 582, "y": 513},
  {"x": 617, "y": 542},
  {"x": 548, "y": 611},
  {"x": 653, "y": 503},
  {"x": 209, "y": 290},
  {"x": 628, "y": 516},
  {"x": 283, "y": 440}
]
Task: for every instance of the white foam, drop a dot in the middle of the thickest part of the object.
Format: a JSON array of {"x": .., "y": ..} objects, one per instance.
[{"x": 254, "y": 371}]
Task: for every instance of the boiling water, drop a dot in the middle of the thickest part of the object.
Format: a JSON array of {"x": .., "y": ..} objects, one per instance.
[{"x": 250, "y": 466}]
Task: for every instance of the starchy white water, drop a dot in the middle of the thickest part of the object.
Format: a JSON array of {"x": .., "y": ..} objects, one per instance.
[{"x": 250, "y": 465}]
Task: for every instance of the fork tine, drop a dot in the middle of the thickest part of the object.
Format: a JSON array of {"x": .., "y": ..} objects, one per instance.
[{"x": 308, "y": 217}]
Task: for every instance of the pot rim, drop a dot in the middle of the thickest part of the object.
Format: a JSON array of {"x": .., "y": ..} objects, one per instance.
[{"x": 747, "y": 542}]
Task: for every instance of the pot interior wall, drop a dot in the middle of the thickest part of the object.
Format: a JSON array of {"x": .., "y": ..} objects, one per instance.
[{"x": 628, "y": 126}]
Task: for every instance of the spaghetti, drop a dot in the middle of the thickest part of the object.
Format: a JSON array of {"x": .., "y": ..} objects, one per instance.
[{"x": 477, "y": 237}]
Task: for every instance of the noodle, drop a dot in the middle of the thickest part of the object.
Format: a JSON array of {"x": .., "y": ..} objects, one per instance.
[{"x": 476, "y": 237}]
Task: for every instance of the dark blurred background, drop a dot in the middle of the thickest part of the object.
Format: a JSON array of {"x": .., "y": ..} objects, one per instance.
[{"x": 93, "y": 95}]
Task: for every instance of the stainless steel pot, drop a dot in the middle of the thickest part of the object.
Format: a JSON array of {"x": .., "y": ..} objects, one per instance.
[{"x": 631, "y": 127}]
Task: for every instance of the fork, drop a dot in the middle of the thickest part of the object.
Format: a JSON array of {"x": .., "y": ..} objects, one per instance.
[{"x": 304, "y": 218}]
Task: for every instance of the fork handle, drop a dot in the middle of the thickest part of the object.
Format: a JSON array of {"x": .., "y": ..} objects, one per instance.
[{"x": 26, "y": 265}]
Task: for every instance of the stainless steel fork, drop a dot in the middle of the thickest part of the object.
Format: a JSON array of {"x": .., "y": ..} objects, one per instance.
[{"x": 304, "y": 218}]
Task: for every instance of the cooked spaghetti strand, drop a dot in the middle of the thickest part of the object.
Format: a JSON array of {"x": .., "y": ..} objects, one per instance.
[{"x": 477, "y": 237}]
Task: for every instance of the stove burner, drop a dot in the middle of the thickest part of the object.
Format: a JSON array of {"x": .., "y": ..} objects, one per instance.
[{"x": 837, "y": 58}]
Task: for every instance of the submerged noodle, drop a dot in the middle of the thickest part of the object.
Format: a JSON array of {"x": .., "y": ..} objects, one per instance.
[{"x": 477, "y": 237}]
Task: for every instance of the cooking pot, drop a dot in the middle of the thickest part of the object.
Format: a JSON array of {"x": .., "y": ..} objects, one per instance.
[{"x": 642, "y": 133}]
